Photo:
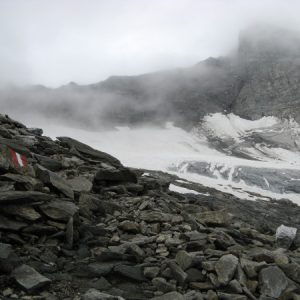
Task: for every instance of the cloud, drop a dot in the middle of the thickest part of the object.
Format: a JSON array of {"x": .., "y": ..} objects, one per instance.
[{"x": 58, "y": 41}]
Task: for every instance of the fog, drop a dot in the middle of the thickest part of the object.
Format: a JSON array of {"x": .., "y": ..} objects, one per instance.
[{"x": 55, "y": 42}]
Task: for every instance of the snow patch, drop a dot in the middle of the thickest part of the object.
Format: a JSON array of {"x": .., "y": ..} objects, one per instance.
[{"x": 182, "y": 190}]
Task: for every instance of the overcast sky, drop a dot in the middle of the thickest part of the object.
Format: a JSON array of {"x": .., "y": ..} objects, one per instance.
[{"x": 53, "y": 42}]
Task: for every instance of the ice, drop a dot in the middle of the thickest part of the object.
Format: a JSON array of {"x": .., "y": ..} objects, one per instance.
[
  {"x": 164, "y": 148},
  {"x": 182, "y": 190}
]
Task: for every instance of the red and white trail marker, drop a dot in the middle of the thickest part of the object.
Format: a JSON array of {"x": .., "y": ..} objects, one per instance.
[{"x": 19, "y": 160}]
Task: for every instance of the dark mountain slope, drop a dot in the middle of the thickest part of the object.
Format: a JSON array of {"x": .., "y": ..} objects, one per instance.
[{"x": 260, "y": 78}]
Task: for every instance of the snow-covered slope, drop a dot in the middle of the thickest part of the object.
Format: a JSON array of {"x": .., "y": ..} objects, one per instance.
[{"x": 242, "y": 157}]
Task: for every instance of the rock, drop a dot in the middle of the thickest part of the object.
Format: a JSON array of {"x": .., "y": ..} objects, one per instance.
[
  {"x": 184, "y": 259},
  {"x": 151, "y": 272},
  {"x": 132, "y": 272},
  {"x": 24, "y": 212},
  {"x": 51, "y": 164},
  {"x": 214, "y": 218},
  {"x": 70, "y": 233},
  {"x": 29, "y": 278},
  {"x": 194, "y": 275},
  {"x": 169, "y": 296},
  {"x": 5, "y": 250},
  {"x": 8, "y": 224},
  {"x": 162, "y": 285},
  {"x": 101, "y": 284},
  {"x": 80, "y": 184},
  {"x": 177, "y": 272},
  {"x": 154, "y": 216},
  {"x": 251, "y": 268},
  {"x": 226, "y": 267},
  {"x": 35, "y": 131},
  {"x": 93, "y": 294},
  {"x": 193, "y": 295},
  {"x": 23, "y": 197},
  {"x": 98, "y": 269},
  {"x": 87, "y": 151},
  {"x": 129, "y": 226},
  {"x": 272, "y": 282},
  {"x": 292, "y": 271},
  {"x": 285, "y": 236},
  {"x": 27, "y": 182},
  {"x": 114, "y": 175},
  {"x": 52, "y": 179},
  {"x": 89, "y": 205},
  {"x": 225, "y": 296},
  {"x": 59, "y": 210}
]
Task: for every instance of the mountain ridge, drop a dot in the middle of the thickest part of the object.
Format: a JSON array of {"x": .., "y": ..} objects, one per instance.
[{"x": 261, "y": 78}]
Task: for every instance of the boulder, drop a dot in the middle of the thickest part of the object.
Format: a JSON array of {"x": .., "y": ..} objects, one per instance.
[
  {"x": 80, "y": 184},
  {"x": 87, "y": 151},
  {"x": 214, "y": 218},
  {"x": 59, "y": 209},
  {"x": 272, "y": 282},
  {"x": 22, "y": 197},
  {"x": 285, "y": 236},
  {"x": 169, "y": 296},
  {"x": 131, "y": 272},
  {"x": 226, "y": 267},
  {"x": 29, "y": 279},
  {"x": 53, "y": 180},
  {"x": 113, "y": 175},
  {"x": 93, "y": 294},
  {"x": 184, "y": 259},
  {"x": 5, "y": 250}
]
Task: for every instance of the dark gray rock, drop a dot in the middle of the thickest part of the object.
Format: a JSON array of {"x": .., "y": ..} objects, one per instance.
[
  {"x": 272, "y": 282},
  {"x": 226, "y": 267},
  {"x": 22, "y": 197},
  {"x": 87, "y": 151},
  {"x": 80, "y": 184},
  {"x": 169, "y": 296},
  {"x": 24, "y": 212},
  {"x": 114, "y": 175},
  {"x": 5, "y": 250},
  {"x": 162, "y": 285},
  {"x": 151, "y": 272},
  {"x": 155, "y": 216},
  {"x": 93, "y": 294},
  {"x": 12, "y": 225},
  {"x": 292, "y": 271},
  {"x": 214, "y": 218},
  {"x": 132, "y": 272},
  {"x": 177, "y": 272},
  {"x": 51, "y": 164},
  {"x": 184, "y": 259},
  {"x": 29, "y": 278},
  {"x": 50, "y": 178},
  {"x": 97, "y": 269},
  {"x": 59, "y": 209}
]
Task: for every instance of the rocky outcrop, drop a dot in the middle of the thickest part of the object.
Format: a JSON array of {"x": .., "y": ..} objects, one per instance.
[{"x": 87, "y": 227}]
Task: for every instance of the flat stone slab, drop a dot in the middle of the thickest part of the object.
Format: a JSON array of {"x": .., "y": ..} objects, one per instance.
[
  {"x": 52, "y": 179},
  {"x": 59, "y": 210},
  {"x": 29, "y": 278},
  {"x": 22, "y": 197}
]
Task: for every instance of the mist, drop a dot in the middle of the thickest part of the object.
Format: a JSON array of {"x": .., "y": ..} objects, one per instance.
[{"x": 55, "y": 42}]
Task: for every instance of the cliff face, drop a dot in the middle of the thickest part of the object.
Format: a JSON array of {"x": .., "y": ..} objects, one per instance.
[
  {"x": 269, "y": 64},
  {"x": 261, "y": 78}
]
